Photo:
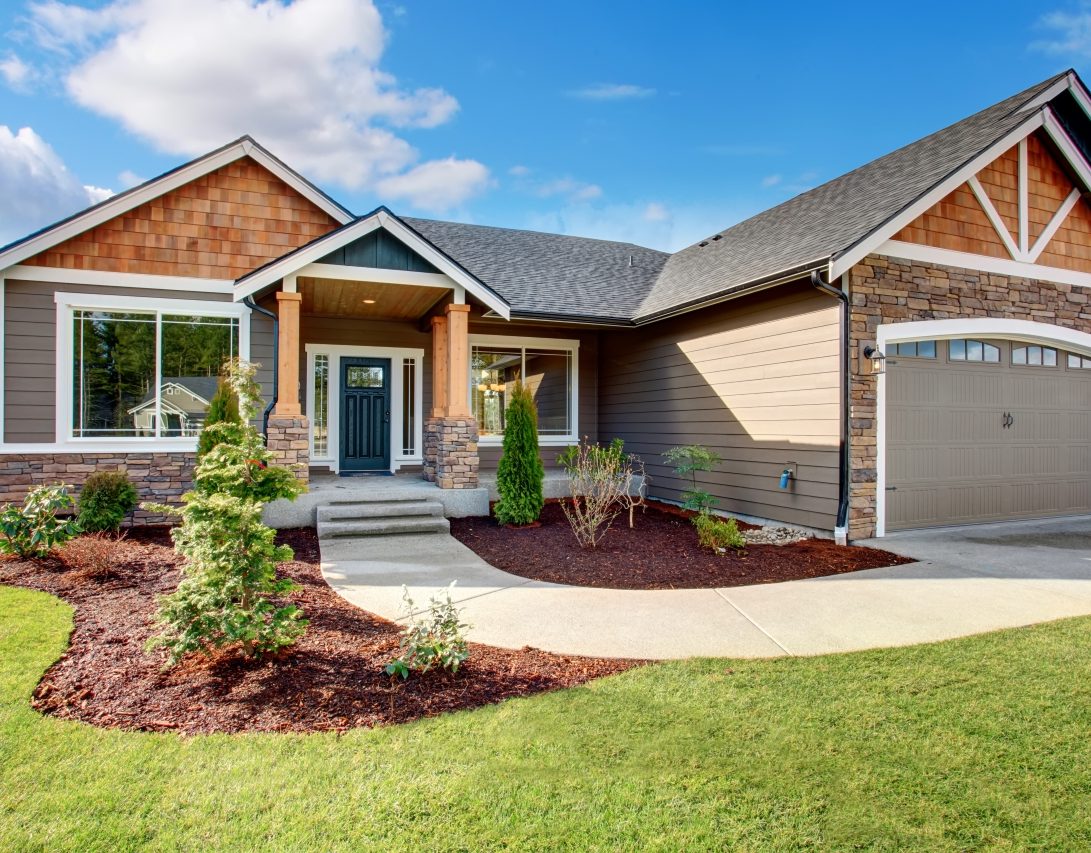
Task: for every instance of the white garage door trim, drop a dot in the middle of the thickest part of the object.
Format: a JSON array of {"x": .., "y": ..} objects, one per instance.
[{"x": 929, "y": 330}]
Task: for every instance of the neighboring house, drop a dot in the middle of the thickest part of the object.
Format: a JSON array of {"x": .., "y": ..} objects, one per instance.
[
  {"x": 964, "y": 259},
  {"x": 182, "y": 402}
]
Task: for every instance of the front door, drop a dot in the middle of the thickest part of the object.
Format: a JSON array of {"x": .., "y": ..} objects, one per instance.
[{"x": 365, "y": 414}]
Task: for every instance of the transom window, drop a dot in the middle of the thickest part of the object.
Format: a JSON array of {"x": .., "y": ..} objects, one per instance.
[
  {"x": 1034, "y": 356},
  {"x": 146, "y": 373},
  {"x": 548, "y": 372},
  {"x": 1079, "y": 362},
  {"x": 914, "y": 349},
  {"x": 964, "y": 349}
]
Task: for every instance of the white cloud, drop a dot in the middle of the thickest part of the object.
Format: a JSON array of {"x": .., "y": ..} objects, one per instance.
[
  {"x": 129, "y": 179},
  {"x": 302, "y": 77},
  {"x": 16, "y": 73},
  {"x": 656, "y": 212},
  {"x": 771, "y": 180},
  {"x": 36, "y": 188},
  {"x": 570, "y": 188},
  {"x": 1071, "y": 33},
  {"x": 613, "y": 92},
  {"x": 519, "y": 171},
  {"x": 438, "y": 185}
]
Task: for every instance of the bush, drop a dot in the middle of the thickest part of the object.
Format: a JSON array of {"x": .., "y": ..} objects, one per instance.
[
  {"x": 520, "y": 473},
  {"x": 105, "y": 499},
  {"x": 92, "y": 556},
  {"x": 687, "y": 461},
  {"x": 229, "y": 575},
  {"x": 223, "y": 408},
  {"x": 436, "y": 640},
  {"x": 33, "y": 529},
  {"x": 600, "y": 481},
  {"x": 718, "y": 534}
]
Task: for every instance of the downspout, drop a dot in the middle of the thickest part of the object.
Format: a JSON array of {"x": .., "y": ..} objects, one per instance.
[
  {"x": 840, "y": 532},
  {"x": 253, "y": 306}
]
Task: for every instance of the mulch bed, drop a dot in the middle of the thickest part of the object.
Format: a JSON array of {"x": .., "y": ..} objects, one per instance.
[
  {"x": 660, "y": 552},
  {"x": 331, "y": 679}
]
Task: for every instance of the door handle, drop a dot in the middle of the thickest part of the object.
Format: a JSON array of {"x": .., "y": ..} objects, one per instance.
[{"x": 386, "y": 417}]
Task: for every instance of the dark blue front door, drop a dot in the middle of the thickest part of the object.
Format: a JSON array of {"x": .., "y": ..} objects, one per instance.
[{"x": 365, "y": 414}]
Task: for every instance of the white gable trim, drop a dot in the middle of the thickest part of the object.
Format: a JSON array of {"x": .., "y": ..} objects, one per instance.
[
  {"x": 125, "y": 202},
  {"x": 454, "y": 277},
  {"x": 876, "y": 238},
  {"x": 984, "y": 263}
]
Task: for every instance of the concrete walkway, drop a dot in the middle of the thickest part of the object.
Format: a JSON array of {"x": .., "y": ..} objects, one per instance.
[{"x": 968, "y": 580}]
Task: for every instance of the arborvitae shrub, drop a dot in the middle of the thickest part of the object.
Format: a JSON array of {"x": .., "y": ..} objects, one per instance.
[
  {"x": 520, "y": 473},
  {"x": 223, "y": 408}
]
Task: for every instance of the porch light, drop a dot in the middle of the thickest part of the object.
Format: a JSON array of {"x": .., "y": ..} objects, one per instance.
[
  {"x": 875, "y": 360},
  {"x": 369, "y": 301}
]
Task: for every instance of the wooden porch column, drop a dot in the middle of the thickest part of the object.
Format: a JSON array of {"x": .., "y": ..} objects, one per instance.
[
  {"x": 439, "y": 367},
  {"x": 458, "y": 361},
  {"x": 288, "y": 305}
]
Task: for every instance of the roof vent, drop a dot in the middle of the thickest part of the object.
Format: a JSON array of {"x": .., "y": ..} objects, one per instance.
[
  {"x": 703, "y": 243},
  {"x": 718, "y": 237}
]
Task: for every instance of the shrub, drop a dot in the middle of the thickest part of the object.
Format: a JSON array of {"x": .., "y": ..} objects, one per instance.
[
  {"x": 229, "y": 575},
  {"x": 223, "y": 408},
  {"x": 93, "y": 555},
  {"x": 434, "y": 640},
  {"x": 105, "y": 499},
  {"x": 687, "y": 461},
  {"x": 718, "y": 534},
  {"x": 33, "y": 529},
  {"x": 600, "y": 481},
  {"x": 520, "y": 473}
]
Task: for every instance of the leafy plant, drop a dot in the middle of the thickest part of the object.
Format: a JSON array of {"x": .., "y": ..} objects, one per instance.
[
  {"x": 600, "y": 483},
  {"x": 222, "y": 408},
  {"x": 92, "y": 555},
  {"x": 718, "y": 534},
  {"x": 105, "y": 499},
  {"x": 33, "y": 529},
  {"x": 437, "y": 639},
  {"x": 520, "y": 473},
  {"x": 687, "y": 461},
  {"x": 229, "y": 577}
]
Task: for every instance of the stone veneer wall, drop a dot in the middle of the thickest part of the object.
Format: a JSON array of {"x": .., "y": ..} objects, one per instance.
[
  {"x": 289, "y": 438},
  {"x": 889, "y": 290},
  {"x": 159, "y": 477},
  {"x": 450, "y": 452}
]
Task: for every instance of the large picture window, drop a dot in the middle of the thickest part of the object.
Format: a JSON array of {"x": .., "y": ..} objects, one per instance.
[
  {"x": 146, "y": 373},
  {"x": 548, "y": 372}
]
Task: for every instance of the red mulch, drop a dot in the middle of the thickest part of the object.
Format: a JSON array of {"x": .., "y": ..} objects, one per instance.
[
  {"x": 660, "y": 552},
  {"x": 331, "y": 679}
]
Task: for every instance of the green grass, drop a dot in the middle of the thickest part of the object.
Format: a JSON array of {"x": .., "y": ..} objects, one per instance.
[{"x": 973, "y": 744}]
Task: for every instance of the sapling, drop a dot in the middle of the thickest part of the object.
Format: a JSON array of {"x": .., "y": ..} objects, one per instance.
[{"x": 687, "y": 461}]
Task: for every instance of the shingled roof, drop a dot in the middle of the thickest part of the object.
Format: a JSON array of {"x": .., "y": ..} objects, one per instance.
[{"x": 557, "y": 275}]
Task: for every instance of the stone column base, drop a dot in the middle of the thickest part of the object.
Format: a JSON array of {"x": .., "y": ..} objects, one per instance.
[
  {"x": 450, "y": 452},
  {"x": 288, "y": 436}
]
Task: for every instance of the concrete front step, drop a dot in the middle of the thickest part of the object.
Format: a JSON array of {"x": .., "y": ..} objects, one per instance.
[
  {"x": 379, "y": 509},
  {"x": 383, "y": 526}
]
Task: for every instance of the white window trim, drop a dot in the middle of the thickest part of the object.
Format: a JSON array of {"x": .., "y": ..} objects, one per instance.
[
  {"x": 1023, "y": 331},
  {"x": 397, "y": 356},
  {"x": 571, "y": 345},
  {"x": 69, "y": 302}
]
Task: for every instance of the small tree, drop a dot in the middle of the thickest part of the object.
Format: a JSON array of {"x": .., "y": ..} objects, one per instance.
[
  {"x": 520, "y": 473},
  {"x": 600, "y": 481},
  {"x": 222, "y": 408},
  {"x": 687, "y": 461},
  {"x": 229, "y": 575}
]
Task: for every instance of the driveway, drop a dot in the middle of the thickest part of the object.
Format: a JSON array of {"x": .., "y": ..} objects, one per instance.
[{"x": 967, "y": 580}]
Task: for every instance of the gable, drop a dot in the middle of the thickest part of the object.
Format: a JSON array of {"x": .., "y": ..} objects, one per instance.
[
  {"x": 379, "y": 250},
  {"x": 220, "y": 225},
  {"x": 1057, "y": 232}
]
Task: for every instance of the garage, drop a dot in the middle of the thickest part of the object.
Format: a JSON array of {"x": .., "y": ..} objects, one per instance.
[{"x": 985, "y": 429}]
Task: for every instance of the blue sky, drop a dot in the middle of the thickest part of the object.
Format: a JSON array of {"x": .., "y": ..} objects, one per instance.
[{"x": 657, "y": 124}]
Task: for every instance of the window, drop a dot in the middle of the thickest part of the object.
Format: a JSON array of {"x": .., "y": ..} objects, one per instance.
[
  {"x": 359, "y": 376},
  {"x": 320, "y": 430},
  {"x": 966, "y": 350},
  {"x": 548, "y": 372},
  {"x": 1080, "y": 362},
  {"x": 409, "y": 396},
  {"x": 146, "y": 373},
  {"x": 914, "y": 349},
  {"x": 1034, "y": 356}
]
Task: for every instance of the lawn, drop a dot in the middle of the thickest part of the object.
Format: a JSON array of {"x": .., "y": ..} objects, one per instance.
[{"x": 970, "y": 744}]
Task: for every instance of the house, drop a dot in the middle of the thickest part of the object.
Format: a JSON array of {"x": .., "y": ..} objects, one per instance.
[{"x": 911, "y": 342}]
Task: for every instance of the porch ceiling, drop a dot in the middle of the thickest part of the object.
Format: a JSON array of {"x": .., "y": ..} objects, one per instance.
[{"x": 339, "y": 298}]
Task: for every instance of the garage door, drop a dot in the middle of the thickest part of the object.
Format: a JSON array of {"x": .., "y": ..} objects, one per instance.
[{"x": 985, "y": 430}]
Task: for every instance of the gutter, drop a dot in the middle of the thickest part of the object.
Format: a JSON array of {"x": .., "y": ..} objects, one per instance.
[
  {"x": 249, "y": 302},
  {"x": 840, "y": 532}
]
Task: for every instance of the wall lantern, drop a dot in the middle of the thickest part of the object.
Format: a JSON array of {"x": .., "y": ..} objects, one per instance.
[{"x": 873, "y": 362}]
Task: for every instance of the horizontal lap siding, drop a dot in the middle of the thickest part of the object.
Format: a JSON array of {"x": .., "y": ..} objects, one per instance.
[
  {"x": 756, "y": 380},
  {"x": 30, "y": 342}
]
